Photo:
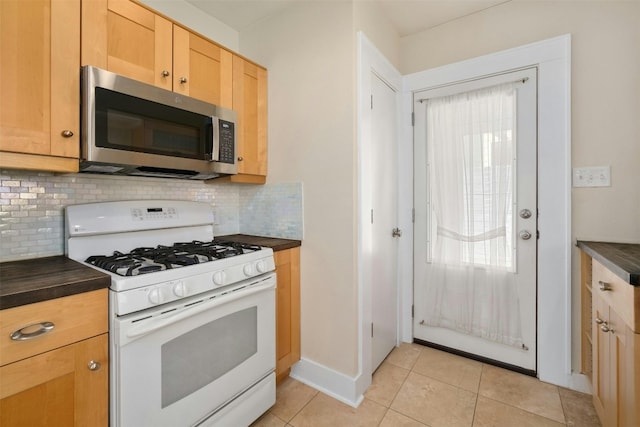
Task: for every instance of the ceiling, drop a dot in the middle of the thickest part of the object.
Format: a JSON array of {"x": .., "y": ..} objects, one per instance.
[{"x": 407, "y": 16}]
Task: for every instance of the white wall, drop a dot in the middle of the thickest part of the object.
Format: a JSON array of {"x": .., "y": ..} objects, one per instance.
[
  {"x": 195, "y": 19},
  {"x": 605, "y": 108},
  {"x": 370, "y": 19},
  {"x": 309, "y": 52}
]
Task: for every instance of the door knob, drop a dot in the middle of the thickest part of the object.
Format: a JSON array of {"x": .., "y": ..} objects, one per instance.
[
  {"x": 525, "y": 213},
  {"x": 604, "y": 286},
  {"x": 524, "y": 235}
]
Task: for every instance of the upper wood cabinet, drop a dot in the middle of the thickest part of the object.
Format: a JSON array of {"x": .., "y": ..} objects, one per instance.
[
  {"x": 128, "y": 39},
  {"x": 250, "y": 103},
  {"x": 39, "y": 95}
]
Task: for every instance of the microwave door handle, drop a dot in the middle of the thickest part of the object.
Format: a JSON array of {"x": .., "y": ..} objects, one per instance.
[{"x": 215, "y": 139}]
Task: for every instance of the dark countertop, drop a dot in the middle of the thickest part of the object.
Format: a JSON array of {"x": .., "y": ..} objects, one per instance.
[
  {"x": 623, "y": 259},
  {"x": 270, "y": 242},
  {"x": 40, "y": 279}
]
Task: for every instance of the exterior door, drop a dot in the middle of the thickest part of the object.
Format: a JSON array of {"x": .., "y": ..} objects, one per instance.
[
  {"x": 383, "y": 221},
  {"x": 475, "y": 275}
]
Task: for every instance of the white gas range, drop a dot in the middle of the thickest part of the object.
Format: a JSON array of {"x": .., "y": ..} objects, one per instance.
[{"x": 192, "y": 319}]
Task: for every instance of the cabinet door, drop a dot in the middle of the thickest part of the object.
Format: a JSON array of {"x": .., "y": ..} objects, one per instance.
[
  {"x": 128, "y": 39},
  {"x": 39, "y": 64},
  {"x": 57, "y": 388},
  {"x": 201, "y": 69},
  {"x": 600, "y": 340},
  {"x": 287, "y": 310},
  {"x": 250, "y": 102},
  {"x": 624, "y": 374}
]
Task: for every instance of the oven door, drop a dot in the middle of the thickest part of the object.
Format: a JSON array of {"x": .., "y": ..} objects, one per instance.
[{"x": 182, "y": 362}]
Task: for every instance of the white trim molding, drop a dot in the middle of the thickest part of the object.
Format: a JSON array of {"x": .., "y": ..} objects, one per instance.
[
  {"x": 552, "y": 57},
  {"x": 333, "y": 383}
]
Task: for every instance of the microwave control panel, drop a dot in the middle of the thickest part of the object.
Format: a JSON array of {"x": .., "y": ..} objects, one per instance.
[{"x": 227, "y": 146}]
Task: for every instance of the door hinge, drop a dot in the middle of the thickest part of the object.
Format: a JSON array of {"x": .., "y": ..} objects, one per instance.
[
  {"x": 412, "y": 311},
  {"x": 372, "y": 101},
  {"x": 413, "y": 118},
  {"x": 371, "y": 329},
  {"x": 537, "y": 234},
  {"x": 413, "y": 214},
  {"x": 371, "y": 216}
]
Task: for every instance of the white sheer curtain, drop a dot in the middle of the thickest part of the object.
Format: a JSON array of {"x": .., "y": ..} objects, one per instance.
[{"x": 471, "y": 157}]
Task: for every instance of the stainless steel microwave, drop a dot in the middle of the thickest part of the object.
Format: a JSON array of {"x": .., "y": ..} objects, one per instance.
[{"x": 133, "y": 128}]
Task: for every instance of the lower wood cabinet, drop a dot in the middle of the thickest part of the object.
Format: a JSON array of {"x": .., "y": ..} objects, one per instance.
[
  {"x": 63, "y": 387},
  {"x": 59, "y": 375},
  {"x": 287, "y": 311},
  {"x": 615, "y": 348}
]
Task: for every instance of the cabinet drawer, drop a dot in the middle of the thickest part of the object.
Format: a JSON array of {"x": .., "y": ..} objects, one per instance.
[
  {"x": 74, "y": 318},
  {"x": 621, "y": 296}
]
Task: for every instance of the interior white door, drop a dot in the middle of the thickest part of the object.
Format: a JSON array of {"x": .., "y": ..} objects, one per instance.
[
  {"x": 521, "y": 214},
  {"x": 383, "y": 154}
]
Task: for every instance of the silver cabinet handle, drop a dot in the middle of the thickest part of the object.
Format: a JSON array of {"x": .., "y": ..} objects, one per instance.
[
  {"x": 604, "y": 286},
  {"x": 396, "y": 232},
  {"x": 240, "y": 158},
  {"x": 165, "y": 73},
  {"x": 22, "y": 334},
  {"x": 183, "y": 80},
  {"x": 94, "y": 365},
  {"x": 599, "y": 321},
  {"x": 66, "y": 133},
  {"x": 606, "y": 328}
]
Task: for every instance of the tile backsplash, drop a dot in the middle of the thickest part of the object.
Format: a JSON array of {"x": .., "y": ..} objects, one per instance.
[
  {"x": 32, "y": 206},
  {"x": 272, "y": 210}
]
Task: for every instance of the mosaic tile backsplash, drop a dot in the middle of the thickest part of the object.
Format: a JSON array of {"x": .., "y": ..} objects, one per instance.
[{"x": 32, "y": 206}]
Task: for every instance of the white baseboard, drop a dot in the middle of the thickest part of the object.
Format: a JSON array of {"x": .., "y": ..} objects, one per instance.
[
  {"x": 580, "y": 382},
  {"x": 335, "y": 384}
]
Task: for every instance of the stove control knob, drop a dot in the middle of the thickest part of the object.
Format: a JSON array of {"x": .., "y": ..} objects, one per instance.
[
  {"x": 261, "y": 266},
  {"x": 179, "y": 289},
  {"x": 219, "y": 278},
  {"x": 248, "y": 270},
  {"x": 154, "y": 296}
]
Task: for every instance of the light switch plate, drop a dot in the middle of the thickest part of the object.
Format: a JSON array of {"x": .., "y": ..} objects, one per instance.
[{"x": 596, "y": 176}]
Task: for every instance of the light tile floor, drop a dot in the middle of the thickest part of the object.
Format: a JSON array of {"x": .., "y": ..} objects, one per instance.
[{"x": 418, "y": 386}]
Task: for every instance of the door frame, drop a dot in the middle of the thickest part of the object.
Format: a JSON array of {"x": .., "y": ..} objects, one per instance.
[
  {"x": 553, "y": 59},
  {"x": 369, "y": 61}
]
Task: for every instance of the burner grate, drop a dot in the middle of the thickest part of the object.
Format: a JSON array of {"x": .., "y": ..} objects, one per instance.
[{"x": 145, "y": 260}]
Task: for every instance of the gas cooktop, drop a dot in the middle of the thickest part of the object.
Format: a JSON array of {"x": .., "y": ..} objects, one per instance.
[{"x": 145, "y": 260}]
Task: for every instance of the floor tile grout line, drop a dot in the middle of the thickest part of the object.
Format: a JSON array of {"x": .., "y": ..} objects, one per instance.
[{"x": 304, "y": 406}]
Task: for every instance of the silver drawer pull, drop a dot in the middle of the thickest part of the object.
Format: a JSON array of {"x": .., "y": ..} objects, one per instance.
[
  {"x": 604, "y": 286},
  {"x": 94, "y": 365},
  {"x": 599, "y": 321},
  {"x": 22, "y": 334},
  {"x": 606, "y": 328}
]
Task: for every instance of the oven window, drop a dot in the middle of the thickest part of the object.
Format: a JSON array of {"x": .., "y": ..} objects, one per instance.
[{"x": 202, "y": 355}]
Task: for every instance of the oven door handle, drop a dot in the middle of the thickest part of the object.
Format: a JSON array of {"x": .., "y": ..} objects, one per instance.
[{"x": 155, "y": 324}]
